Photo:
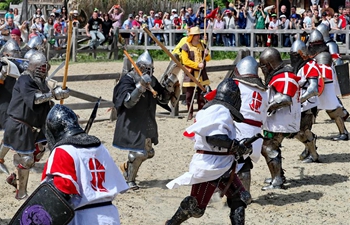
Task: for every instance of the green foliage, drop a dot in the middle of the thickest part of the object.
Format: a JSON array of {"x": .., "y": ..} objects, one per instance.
[
  {"x": 5, "y": 5},
  {"x": 285, "y": 55}
]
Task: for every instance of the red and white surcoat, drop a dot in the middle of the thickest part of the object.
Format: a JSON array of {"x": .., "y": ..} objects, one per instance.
[
  {"x": 308, "y": 71},
  {"x": 286, "y": 119},
  {"x": 91, "y": 176},
  {"x": 254, "y": 109},
  {"x": 328, "y": 99}
]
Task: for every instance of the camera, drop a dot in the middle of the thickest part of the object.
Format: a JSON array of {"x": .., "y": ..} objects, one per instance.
[{"x": 183, "y": 8}]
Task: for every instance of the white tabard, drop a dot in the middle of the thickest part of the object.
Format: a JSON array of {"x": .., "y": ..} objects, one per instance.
[
  {"x": 213, "y": 120},
  {"x": 286, "y": 119}
]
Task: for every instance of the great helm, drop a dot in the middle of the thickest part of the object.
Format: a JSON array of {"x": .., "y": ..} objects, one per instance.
[
  {"x": 11, "y": 49},
  {"x": 228, "y": 95},
  {"x": 61, "y": 122},
  {"x": 145, "y": 63},
  {"x": 38, "y": 65},
  {"x": 246, "y": 67}
]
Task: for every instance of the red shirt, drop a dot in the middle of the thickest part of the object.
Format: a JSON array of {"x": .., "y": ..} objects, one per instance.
[{"x": 159, "y": 22}]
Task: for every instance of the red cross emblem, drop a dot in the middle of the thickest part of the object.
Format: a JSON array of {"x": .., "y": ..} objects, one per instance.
[
  {"x": 98, "y": 175},
  {"x": 256, "y": 102}
]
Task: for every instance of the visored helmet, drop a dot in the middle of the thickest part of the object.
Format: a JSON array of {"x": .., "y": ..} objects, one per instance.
[
  {"x": 298, "y": 54},
  {"x": 61, "y": 122},
  {"x": 270, "y": 61},
  {"x": 38, "y": 64}
]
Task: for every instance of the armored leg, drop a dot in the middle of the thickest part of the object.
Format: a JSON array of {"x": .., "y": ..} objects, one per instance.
[
  {"x": 131, "y": 167},
  {"x": 309, "y": 140},
  {"x": 188, "y": 208},
  {"x": 345, "y": 112},
  {"x": 23, "y": 162},
  {"x": 237, "y": 211},
  {"x": 272, "y": 154},
  {"x": 337, "y": 115},
  {"x": 3, "y": 151}
]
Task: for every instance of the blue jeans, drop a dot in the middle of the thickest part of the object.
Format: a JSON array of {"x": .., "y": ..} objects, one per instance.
[
  {"x": 230, "y": 40},
  {"x": 94, "y": 35}
]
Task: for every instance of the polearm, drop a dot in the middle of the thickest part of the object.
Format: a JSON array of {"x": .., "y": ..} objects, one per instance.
[
  {"x": 70, "y": 32},
  {"x": 139, "y": 72},
  {"x": 173, "y": 58}
]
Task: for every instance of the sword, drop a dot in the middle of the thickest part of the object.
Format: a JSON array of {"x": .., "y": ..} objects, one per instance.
[{"x": 92, "y": 116}]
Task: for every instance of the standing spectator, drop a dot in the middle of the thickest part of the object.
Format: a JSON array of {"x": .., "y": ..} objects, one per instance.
[
  {"x": 47, "y": 27},
  {"x": 64, "y": 13},
  {"x": 342, "y": 17},
  {"x": 200, "y": 17},
  {"x": 38, "y": 13},
  {"x": 158, "y": 25},
  {"x": 151, "y": 23},
  {"x": 335, "y": 23},
  {"x": 17, "y": 17},
  {"x": 116, "y": 13},
  {"x": 140, "y": 15},
  {"x": 307, "y": 22},
  {"x": 58, "y": 31},
  {"x": 9, "y": 14},
  {"x": 24, "y": 28},
  {"x": 93, "y": 29},
  {"x": 293, "y": 25},
  {"x": 241, "y": 22},
  {"x": 284, "y": 11},
  {"x": 136, "y": 24},
  {"x": 293, "y": 11},
  {"x": 7, "y": 28},
  {"x": 177, "y": 24},
  {"x": 316, "y": 19},
  {"x": 194, "y": 56},
  {"x": 189, "y": 21},
  {"x": 325, "y": 21},
  {"x": 167, "y": 26},
  {"x": 285, "y": 26},
  {"x": 107, "y": 28},
  {"x": 274, "y": 24},
  {"x": 230, "y": 24},
  {"x": 127, "y": 25},
  {"x": 250, "y": 21},
  {"x": 260, "y": 16},
  {"x": 173, "y": 12},
  {"x": 219, "y": 25},
  {"x": 269, "y": 10}
]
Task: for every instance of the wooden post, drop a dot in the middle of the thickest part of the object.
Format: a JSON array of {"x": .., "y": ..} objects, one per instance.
[
  {"x": 74, "y": 44},
  {"x": 70, "y": 31},
  {"x": 115, "y": 43}
]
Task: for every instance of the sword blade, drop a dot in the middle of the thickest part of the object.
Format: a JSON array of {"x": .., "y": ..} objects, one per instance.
[{"x": 92, "y": 116}]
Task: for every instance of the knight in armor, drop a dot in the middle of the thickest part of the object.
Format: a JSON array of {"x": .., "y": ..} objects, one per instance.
[
  {"x": 283, "y": 117},
  {"x": 309, "y": 73},
  {"x": 7, "y": 81},
  {"x": 254, "y": 109},
  {"x": 30, "y": 103},
  {"x": 334, "y": 110},
  {"x": 216, "y": 148},
  {"x": 194, "y": 56},
  {"x": 75, "y": 157},
  {"x": 136, "y": 128}
]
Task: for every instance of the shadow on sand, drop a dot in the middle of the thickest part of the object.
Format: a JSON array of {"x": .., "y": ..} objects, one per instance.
[
  {"x": 278, "y": 199},
  {"x": 154, "y": 183}
]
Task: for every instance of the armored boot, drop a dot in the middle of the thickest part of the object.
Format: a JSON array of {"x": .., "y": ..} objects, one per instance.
[
  {"x": 237, "y": 212},
  {"x": 131, "y": 167},
  {"x": 309, "y": 140},
  {"x": 188, "y": 208},
  {"x": 336, "y": 115},
  {"x": 277, "y": 177},
  {"x": 3, "y": 151},
  {"x": 23, "y": 175}
]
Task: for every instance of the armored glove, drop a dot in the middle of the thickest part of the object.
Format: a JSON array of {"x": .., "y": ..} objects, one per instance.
[
  {"x": 240, "y": 148},
  {"x": 144, "y": 82},
  {"x": 58, "y": 93}
]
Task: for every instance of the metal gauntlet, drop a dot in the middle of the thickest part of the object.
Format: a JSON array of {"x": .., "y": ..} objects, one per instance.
[
  {"x": 42, "y": 97},
  {"x": 312, "y": 90},
  {"x": 239, "y": 148},
  {"x": 279, "y": 101}
]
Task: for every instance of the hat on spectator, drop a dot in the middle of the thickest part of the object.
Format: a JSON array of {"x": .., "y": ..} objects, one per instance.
[
  {"x": 52, "y": 14},
  {"x": 75, "y": 12},
  {"x": 144, "y": 15},
  {"x": 227, "y": 11},
  {"x": 11, "y": 10},
  {"x": 156, "y": 15},
  {"x": 324, "y": 13},
  {"x": 251, "y": 3},
  {"x": 16, "y": 32},
  {"x": 95, "y": 9},
  {"x": 294, "y": 16},
  {"x": 274, "y": 15},
  {"x": 175, "y": 15},
  {"x": 281, "y": 16},
  {"x": 116, "y": 6},
  {"x": 173, "y": 10},
  {"x": 131, "y": 15}
]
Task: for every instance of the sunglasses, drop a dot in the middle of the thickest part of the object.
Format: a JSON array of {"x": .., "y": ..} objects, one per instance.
[{"x": 336, "y": 15}]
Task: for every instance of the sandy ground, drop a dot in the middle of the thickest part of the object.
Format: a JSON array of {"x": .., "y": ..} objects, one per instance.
[{"x": 316, "y": 193}]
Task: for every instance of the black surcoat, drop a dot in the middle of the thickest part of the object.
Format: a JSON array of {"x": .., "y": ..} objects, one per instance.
[{"x": 136, "y": 124}]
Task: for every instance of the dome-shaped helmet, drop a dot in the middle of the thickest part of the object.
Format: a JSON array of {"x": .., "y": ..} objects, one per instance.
[
  {"x": 324, "y": 30},
  {"x": 298, "y": 53},
  {"x": 11, "y": 49},
  {"x": 270, "y": 60},
  {"x": 246, "y": 67},
  {"x": 145, "y": 63}
]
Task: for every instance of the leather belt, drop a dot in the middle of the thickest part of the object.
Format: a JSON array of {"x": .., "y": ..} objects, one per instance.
[
  {"x": 34, "y": 129},
  {"x": 213, "y": 153},
  {"x": 253, "y": 122}
]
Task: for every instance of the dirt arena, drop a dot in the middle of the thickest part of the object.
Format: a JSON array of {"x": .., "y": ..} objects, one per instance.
[{"x": 316, "y": 193}]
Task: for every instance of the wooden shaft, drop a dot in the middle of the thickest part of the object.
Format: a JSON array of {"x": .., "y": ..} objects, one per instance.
[
  {"x": 174, "y": 59},
  {"x": 139, "y": 72},
  {"x": 69, "y": 39}
]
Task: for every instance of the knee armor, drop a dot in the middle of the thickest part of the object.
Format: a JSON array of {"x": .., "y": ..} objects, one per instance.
[{"x": 23, "y": 161}]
